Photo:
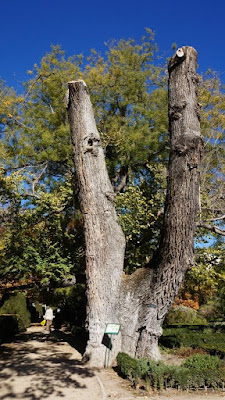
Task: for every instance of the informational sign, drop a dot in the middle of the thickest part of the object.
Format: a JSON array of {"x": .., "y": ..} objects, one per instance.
[{"x": 112, "y": 329}]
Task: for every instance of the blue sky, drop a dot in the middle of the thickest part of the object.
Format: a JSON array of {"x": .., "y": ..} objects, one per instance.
[{"x": 28, "y": 28}]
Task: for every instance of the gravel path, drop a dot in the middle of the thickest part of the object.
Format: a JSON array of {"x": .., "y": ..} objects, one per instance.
[{"x": 38, "y": 366}]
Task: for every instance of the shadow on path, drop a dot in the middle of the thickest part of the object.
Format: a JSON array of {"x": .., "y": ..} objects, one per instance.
[
  {"x": 57, "y": 336},
  {"x": 38, "y": 366}
]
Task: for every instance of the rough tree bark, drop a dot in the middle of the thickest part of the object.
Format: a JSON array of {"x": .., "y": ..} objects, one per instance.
[
  {"x": 138, "y": 302},
  {"x": 104, "y": 238}
]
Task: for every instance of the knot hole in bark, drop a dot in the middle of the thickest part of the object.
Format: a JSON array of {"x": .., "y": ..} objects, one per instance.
[
  {"x": 189, "y": 143},
  {"x": 91, "y": 144},
  {"x": 176, "y": 110}
]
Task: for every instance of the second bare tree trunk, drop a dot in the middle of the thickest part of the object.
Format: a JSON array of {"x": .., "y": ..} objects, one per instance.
[{"x": 158, "y": 286}]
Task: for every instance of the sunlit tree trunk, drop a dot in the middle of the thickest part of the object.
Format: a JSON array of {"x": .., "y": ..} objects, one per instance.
[{"x": 104, "y": 238}]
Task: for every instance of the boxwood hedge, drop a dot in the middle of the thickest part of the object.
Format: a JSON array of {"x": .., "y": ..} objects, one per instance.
[{"x": 197, "y": 372}]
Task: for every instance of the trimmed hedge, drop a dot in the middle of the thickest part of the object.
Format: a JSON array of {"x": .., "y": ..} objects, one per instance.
[
  {"x": 181, "y": 315},
  {"x": 202, "y": 362},
  {"x": 10, "y": 325},
  {"x": 207, "y": 338},
  {"x": 15, "y": 303},
  {"x": 190, "y": 375}
]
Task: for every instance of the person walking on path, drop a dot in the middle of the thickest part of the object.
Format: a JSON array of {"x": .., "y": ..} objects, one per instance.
[{"x": 49, "y": 317}]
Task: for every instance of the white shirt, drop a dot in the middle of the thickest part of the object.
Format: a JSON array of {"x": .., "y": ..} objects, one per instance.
[{"x": 49, "y": 314}]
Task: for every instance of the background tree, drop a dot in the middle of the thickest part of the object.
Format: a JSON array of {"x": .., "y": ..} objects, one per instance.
[
  {"x": 37, "y": 145},
  {"x": 212, "y": 99}
]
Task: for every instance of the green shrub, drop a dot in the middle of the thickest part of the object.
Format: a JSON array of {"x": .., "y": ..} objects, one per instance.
[
  {"x": 15, "y": 303},
  {"x": 196, "y": 372},
  {"x": 209, "y": 339},
  {"x": 129, "y": 367},
  {"x": 158, "y": 373},
  {"x": 211, "y": 311},
  {"x": 202, "y": 362},
  {"x": 182, "y": 315}
]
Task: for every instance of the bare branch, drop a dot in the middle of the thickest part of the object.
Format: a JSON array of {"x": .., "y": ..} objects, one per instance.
[
  {"x": 29, "y": 90},
  {"x": 29, "y": 194},
  {"x": 39, "y": 177},
  {"x": 20, "y": 123},
  {"x": 122, "y": 178},
  {"x": 217, "y": 210},
  {"x": 217, "y": 219},
  {"x": 211, "y": 228},
  {"x": 36, "y": 80},
  {"x": 24, "y": 166},
  {"x": 122, "y": 184},
  {"x": 52, "y": 110}
]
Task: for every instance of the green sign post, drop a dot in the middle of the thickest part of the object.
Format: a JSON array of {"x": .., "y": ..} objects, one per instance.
[{"x": 111, "y": 329}]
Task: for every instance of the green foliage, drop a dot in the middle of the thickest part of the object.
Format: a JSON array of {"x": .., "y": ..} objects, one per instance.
[
  {"x": 210, "y": 339},
  {"x": 204, "y": 282},
  {"x": 39, "y": 203},
  {"x": 157, "y": 375},
  {"x": 212, "y": 99},
  {"x": 38, "y": 241},
  {"x": 182, "y": 315},
  {"x": 137, "y": 209},
  {"x": 129, "y": 367},
  {"x": 38, "y": 217},
  {"x": 15, "y": 303},
  {"x": 202, "y": 362},
  {"x": 132, "y": 120},
  {"x": 212, "y": 311},
  {"x": 72, "y": 301},
  {"x": 42, "y": 135}
]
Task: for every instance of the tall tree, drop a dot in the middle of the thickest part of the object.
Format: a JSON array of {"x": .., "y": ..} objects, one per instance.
[{"x": 139, "y": 302}]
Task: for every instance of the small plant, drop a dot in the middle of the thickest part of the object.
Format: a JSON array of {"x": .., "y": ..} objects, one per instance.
[
  {"x": 129, "y": 367},
  {"x": 202, "y": 362}
]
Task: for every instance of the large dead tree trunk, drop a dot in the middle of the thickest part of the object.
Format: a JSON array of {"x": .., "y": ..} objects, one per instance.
[
  {"x": 138, "y": 302},
  {"x": 154, "y": 289},
  {"x": 104, "y": 238}
]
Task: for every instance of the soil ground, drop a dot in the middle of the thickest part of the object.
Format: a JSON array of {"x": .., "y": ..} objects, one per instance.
[{"x": 38, "y": 366}]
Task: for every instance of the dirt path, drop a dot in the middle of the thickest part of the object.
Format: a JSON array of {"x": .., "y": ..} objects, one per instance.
[{"x": 38, "y": 366}]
